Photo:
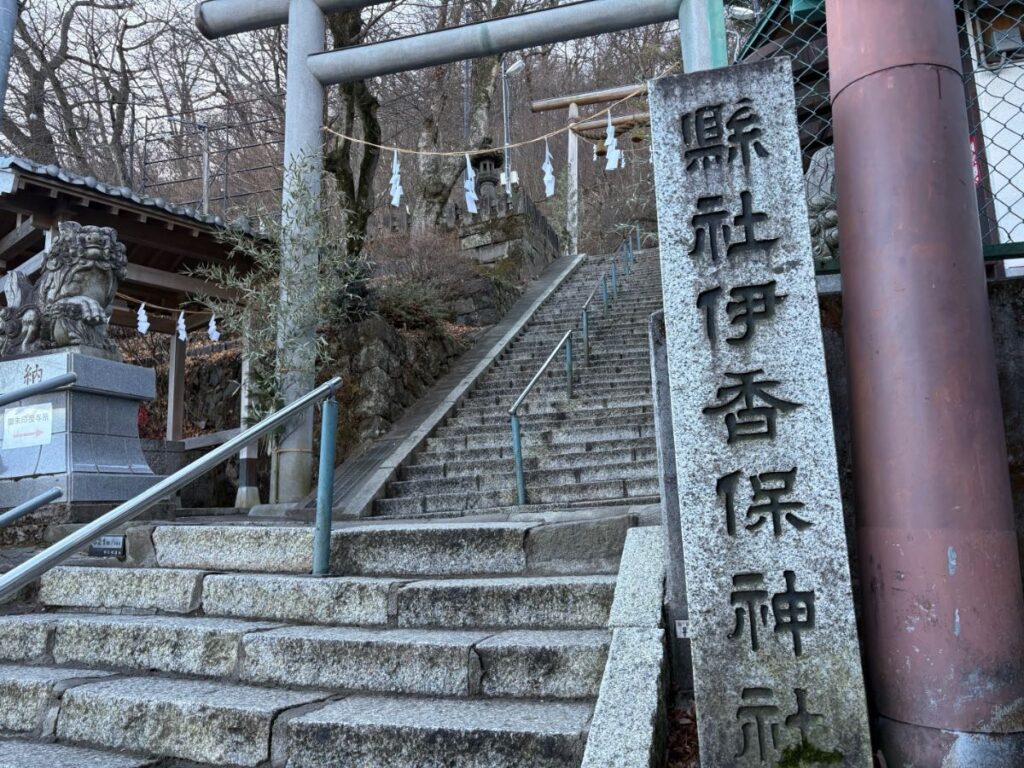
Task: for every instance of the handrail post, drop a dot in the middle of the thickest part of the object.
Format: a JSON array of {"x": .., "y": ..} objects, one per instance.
[
  {"x": 639, "y": 240},
  {"x": 615, "y": 280},
  {"x": 517, "y": 450},
  {"x": 626, "y": 255},
  {"x": 604, "y": 291},
  {"x": 325, "y": 487},
  {"x": 586, "y": 335},
  {"x": 568, "y": 366}
]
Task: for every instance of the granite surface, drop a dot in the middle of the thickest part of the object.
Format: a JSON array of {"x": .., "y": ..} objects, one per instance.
[{"x": 776, "y": 659}]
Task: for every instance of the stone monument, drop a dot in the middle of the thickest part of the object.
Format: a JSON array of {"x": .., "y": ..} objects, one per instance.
[
  {"x": 83, "y": 439},
  {"x": 777, "y": 672}
]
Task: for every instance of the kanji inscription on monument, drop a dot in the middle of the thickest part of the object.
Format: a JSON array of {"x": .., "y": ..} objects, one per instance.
[{"x": 776, "y": 661}]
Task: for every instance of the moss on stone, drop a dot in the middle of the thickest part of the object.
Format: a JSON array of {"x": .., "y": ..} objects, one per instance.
[{"x": 806, "y": 754}]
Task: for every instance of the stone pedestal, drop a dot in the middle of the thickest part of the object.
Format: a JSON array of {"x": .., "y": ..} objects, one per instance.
[{"x": 85, "y": 439}]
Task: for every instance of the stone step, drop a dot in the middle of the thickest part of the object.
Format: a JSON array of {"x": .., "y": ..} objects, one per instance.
[
  {"x": 140, "y": 589},
  {"x": 16, "y": 753},
  {"x": 516, "y": 664},
  {"x": 462, "y": 503},
  {"x": 568, "y": 434},
  {"x": 30, "y": 696},
  {"x": 520, "y": 602},
  {"x": 494, "y": 416},
  {"x": 496, "y": 406},
  {"x": 601, "y": 343},
  {"x": 556, "y": 602},
  {"x": 521, "y": 375},
  {"x": 431, "y": 550},
  {"x": 504, "y": 481},
  {"x": 400, "y": 550},
  {"x": 204, "y": 721},
  {"x": 571, "y": 309},
  {"x": 340, "y": 601},
  {"x": 626, "y": 332},
  {"x": 198, "y": 646},
  {"x": 343, "y": 600},
  {"x": 554, "y": 390},
  {"x": 484, "y": 408},
  {"x": 278, "y": 549},
  {"x": 612, "y": 457},
  {"x": 381, "y": 732},
  {"x": 471, "y": 455},
  {"x": 575, "y": 421},
  {"x": 599, "y": 368},
  {"x": 556, "y": 376}
]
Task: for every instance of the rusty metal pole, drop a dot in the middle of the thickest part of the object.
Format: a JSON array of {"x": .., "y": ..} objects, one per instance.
[{"x": 941, "y": 582}]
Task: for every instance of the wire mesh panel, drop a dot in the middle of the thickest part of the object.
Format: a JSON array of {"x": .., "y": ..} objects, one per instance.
[{"x": 992, "y": 52}]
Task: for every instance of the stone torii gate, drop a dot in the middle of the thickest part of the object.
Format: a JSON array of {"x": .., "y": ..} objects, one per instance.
[{"x": 311, "y": 69}]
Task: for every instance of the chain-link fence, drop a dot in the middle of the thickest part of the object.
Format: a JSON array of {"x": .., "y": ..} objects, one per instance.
[{"x": 992, "y": 52}]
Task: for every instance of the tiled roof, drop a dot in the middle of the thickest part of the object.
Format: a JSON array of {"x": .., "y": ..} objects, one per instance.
[{"x": 24, "y": 165}]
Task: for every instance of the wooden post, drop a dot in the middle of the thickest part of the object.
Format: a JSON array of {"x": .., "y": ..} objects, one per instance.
[{"x": 176, "y": 390}]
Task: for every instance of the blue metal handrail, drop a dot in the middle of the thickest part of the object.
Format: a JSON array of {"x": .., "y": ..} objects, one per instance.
[
  {"x": 513, "y": 412},
  {"x": 625, "y": 250},
  {"x": 629, "y": 258},
  {"x": 39, "y": 564}
]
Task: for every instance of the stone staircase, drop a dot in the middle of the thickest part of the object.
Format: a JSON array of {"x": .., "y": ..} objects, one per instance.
[
  {"x": 468, "y": 643},
  {"x": 596, "y": 448},
  {"x": 435, "y": 644}
]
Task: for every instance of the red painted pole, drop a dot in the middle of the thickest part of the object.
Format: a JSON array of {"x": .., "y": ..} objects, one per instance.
[{"x": 941, "y": 580}]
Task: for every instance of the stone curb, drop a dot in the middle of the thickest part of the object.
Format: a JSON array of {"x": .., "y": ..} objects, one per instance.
[
  {"x": 639, "y": 591},
  {"x": 628, "y": 727}
]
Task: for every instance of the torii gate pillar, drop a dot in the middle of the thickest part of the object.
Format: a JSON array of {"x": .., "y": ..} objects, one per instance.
[{"x": 303, "y": 157}]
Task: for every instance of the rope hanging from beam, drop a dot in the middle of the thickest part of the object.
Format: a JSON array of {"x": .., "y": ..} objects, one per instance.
[{"x": 492, "y": 150}]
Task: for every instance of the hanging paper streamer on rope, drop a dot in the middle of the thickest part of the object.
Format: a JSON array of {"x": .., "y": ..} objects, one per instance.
[
  {"x": 143, "y": 324},
  {"x": 212, "y": 330},
  {"x": 396, "y": 182},
  {"x": 470, "y": 187},
  {"x": 182, "y": 331},
  {"x": 612, "y": 145},
  {"x": 549, "y": 172}
]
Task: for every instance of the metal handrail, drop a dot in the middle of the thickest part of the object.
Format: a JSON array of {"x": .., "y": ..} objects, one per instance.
[
  {"x": 513, "y": 412},
  {"x": 26, "y": 508},
  {"x": 37, "y": 389},
  {"x": 36, "y": 566},
  {"x": 629, "y": 257}
]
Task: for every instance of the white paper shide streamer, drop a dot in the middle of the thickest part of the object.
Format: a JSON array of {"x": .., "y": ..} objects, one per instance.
[
  {"x": 396, "y": 182},
  {"x": 612, "y": 145},
  {"x": 470, "y": 187},
  {"x": 212, "y": 330},
  {"x": 143, "y": 319},
  {"x": 182, "y": 331},
  {"x": 549, "y": 172}
]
